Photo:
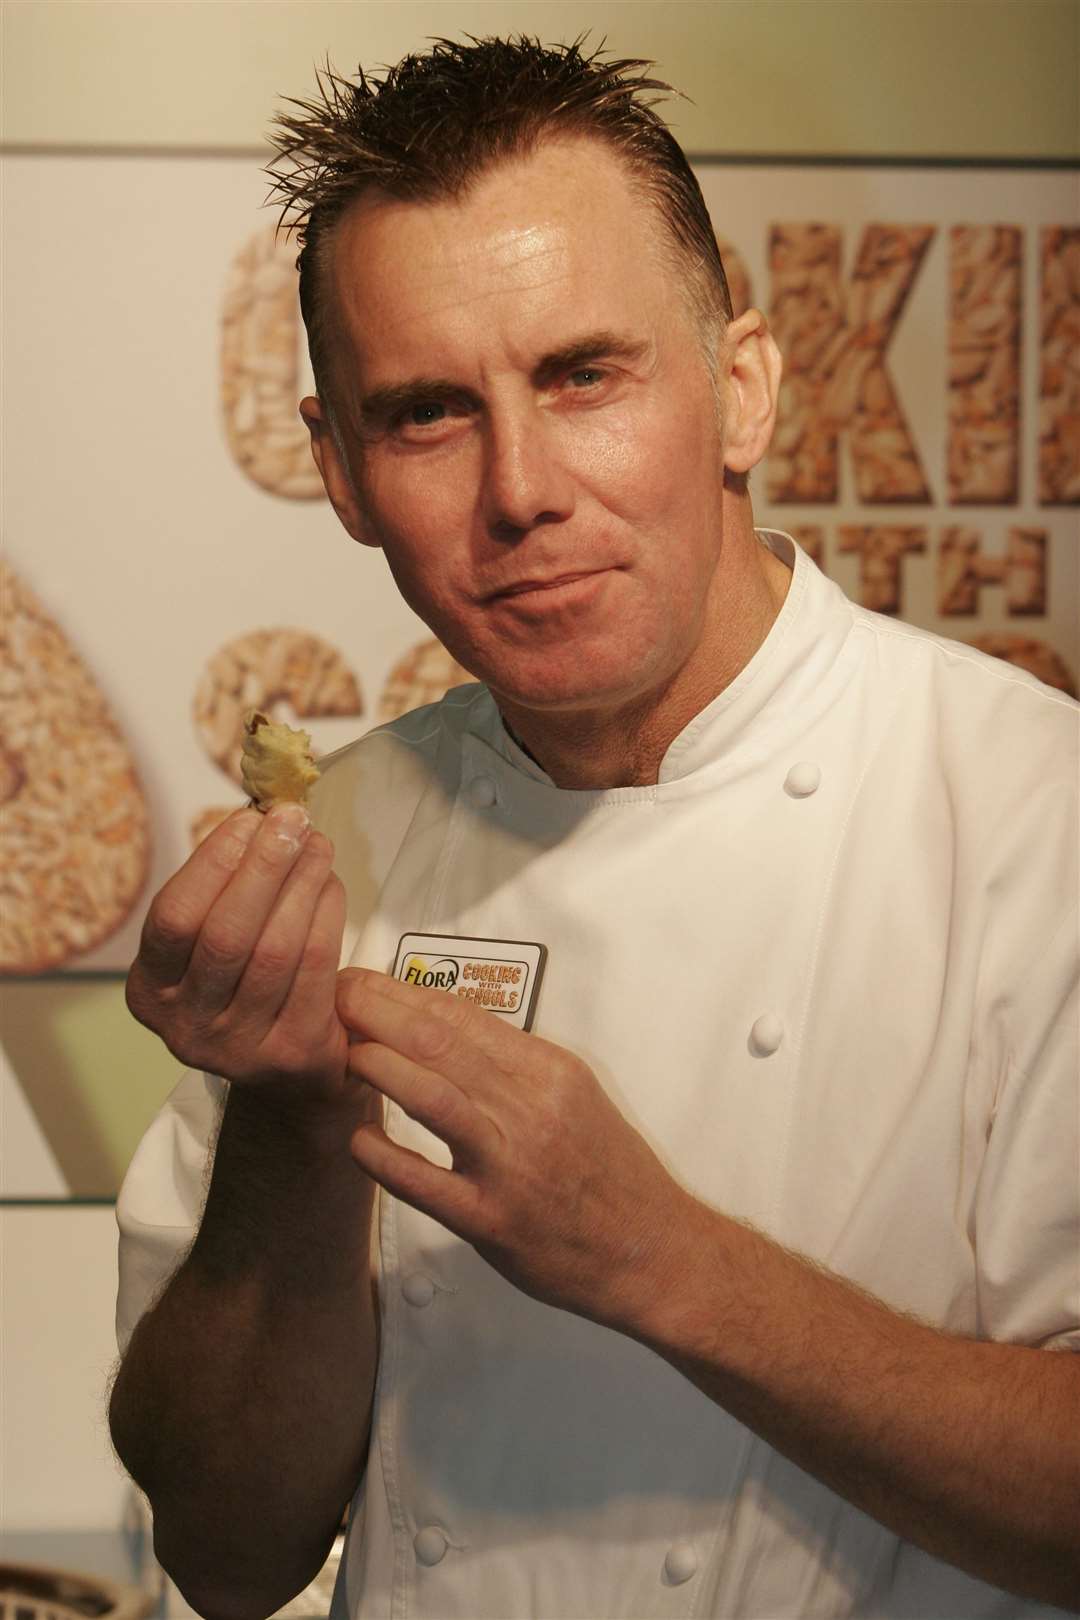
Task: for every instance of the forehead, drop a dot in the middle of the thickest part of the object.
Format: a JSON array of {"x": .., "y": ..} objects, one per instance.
[{"x": 559, "y": 237}]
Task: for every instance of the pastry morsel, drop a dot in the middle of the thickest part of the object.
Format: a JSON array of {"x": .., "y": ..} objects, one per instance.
[
  {"x": 257, "y": 671},
  {"x": 276, "y": 764},
  {"x": 263, "y": 668}
]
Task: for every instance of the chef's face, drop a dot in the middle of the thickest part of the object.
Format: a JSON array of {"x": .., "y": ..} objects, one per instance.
[{"x": 530, "y": 428}]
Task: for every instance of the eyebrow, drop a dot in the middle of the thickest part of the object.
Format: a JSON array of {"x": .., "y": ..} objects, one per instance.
[{"x": 381, "y": 405}]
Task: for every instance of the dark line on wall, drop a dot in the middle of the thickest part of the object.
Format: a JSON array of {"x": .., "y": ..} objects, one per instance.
[
  {"x": 839, "y": 160},
  {"x": 67, "y": 976},
  {"x": 57, "y": 1203},
  {"x": 75, "y": 149},
  {"x": 799, "y": 160}
]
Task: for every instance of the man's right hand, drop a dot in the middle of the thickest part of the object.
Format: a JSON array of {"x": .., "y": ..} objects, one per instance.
[
  {"x": 238, "y": 960},
  {"x": 243, "y": 1401}
]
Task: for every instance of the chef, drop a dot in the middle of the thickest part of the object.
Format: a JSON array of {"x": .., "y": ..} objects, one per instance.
[{"x": 732, "y": 1269}]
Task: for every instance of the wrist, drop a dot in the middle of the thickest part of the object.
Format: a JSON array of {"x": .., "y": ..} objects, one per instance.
[
  {"x": 302, "y": 1120},
  {"x": 668, "y": 1294},
  {"x": 286, "y": 1198}
]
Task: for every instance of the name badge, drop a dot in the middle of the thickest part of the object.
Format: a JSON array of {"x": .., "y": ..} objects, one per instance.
[{"x": 502, "y": 975}]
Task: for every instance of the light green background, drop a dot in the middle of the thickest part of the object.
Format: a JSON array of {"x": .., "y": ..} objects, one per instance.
[{"x": 876, "y": 78}]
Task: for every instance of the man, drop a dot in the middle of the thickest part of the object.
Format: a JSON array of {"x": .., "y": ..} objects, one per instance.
[{"x": 739, "y": 1286}]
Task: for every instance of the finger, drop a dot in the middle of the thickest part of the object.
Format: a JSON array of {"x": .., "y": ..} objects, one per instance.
[
  {"x": 237, "y": 918},
  {"x": 275, "y": 958},
  {"x": 364, "y": 996},
  {"x": 445, "y": 1195},
  {"x": 432, "y": 1029},
  {"x": 180, "y": 908},
  {"x": 427, "y": 1097},
  {"x": 309, "y": 1002},
  {"x": 406, "y": 995},
  {"x": 483, "y": 1026}
]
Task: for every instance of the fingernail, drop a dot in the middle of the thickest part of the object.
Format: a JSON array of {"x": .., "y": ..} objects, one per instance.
[{"x": 289, "y": 822}]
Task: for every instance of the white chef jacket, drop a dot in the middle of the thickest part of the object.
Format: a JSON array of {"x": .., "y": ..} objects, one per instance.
[{"x": 827, "y": 966}]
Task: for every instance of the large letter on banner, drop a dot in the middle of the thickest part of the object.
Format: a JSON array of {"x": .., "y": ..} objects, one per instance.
[{"x": 834, "y": 340}]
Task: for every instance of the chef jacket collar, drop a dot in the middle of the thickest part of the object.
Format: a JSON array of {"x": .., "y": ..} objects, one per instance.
[{"x": 789, "y": 670}]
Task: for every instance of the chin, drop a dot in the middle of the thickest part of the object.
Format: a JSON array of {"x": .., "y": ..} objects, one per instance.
[
  {"x": 551, "y": 680},
  {"x": 564, "y": 695}
]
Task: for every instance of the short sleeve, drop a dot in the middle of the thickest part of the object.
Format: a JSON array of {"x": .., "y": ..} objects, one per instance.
[{"x": 163, "y": 1194}]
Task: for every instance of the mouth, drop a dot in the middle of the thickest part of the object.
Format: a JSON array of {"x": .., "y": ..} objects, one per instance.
[{"x": 536, "y": 587}]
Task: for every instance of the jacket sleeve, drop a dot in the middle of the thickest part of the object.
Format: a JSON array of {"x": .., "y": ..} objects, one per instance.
[
  {"x": 163, "y": 1193},
  {"x": 1027, "y": 1203}
]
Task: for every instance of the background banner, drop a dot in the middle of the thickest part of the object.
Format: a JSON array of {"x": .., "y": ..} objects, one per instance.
[{"x": 170, "y": 560}]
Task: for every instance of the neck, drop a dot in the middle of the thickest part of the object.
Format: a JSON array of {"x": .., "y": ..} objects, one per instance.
[{"x": 624, "y": 746}]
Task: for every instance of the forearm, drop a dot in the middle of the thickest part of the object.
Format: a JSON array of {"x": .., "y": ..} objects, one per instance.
[
  {"x": 243, "y": 1403},
  {"x": 971, "y": 1450}
]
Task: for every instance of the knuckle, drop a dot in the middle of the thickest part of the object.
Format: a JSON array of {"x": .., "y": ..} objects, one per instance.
[
  {"x": 346, "y": 983},
  {"x": 434, "y": 1037},
  {"x": 349, "y": 992},
  {"x": 171, "y": 1024},
  {"x": 154, "y": 1006},
  {"x": 332, "y": 904},
  {"x": 272, "y": 958},
  {"x": 344, "y": 993},
  {"x": 441, "y": 1109},
  {"x": 227, "y": 850},
  {"x": 364, "y": 1060},
  {"x": 565, "y": 1071},
  {"x": 311, "y": 864},
  {"x": 318, "y": 847},
  {"x": 455, "y": 1011},
  {"x": 320, "y": 954},
  {"x": 411, "y": 1176},
  {"x": 270, "y": 857},
  {"x": 169, "y": 922},
  {"x": 221, "y": 943},
  {"x": 139, "y": 1002}
]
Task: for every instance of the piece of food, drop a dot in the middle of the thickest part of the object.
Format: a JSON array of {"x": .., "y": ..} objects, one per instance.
[{"x": 276, "y": 764}]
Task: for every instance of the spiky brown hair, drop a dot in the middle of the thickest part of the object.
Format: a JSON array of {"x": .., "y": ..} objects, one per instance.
[{"x": 436, "y": 122}]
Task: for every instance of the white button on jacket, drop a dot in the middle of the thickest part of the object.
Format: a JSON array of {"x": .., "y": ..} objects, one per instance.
[
  {"x": 418, "y": 1289},
  {"x": 482, "y": 792},
  {"x": 803, "y": 779},
  {"x": 430, "y": 1545},
  {"x": 766, "y": 1035},
  {"x": 680, "y": 1563}
]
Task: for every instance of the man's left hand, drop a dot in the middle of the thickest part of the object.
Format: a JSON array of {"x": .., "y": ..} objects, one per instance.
[{"x": 550, "y": 1183}]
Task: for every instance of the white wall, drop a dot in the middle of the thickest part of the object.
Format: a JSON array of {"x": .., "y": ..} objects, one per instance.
[{"x": 57, "y": 1287}]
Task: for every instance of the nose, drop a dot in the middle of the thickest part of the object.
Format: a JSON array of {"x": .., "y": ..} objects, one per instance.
[{"x": 526, "y": 481}]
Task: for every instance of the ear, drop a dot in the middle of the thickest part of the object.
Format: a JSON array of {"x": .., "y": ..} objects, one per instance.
[
  {"x": 337, "y": 480},
  {"x": 753, "y": 368}
]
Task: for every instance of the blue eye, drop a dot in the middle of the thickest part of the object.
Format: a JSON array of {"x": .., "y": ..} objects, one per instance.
[
  {"x": 591, "y": 373},
  {"x": 425, "y": 412}
]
